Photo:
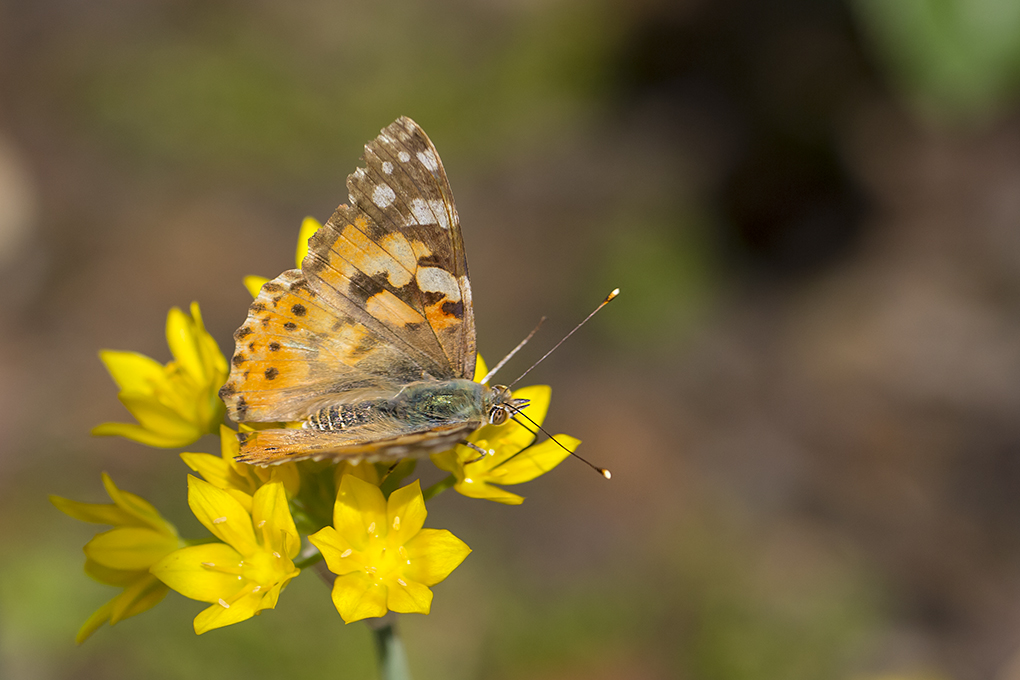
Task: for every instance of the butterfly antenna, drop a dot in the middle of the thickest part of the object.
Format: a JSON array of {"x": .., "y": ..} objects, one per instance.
[
  {"x": 514, "y": 351},
  {"x": 602, "y": 471},
  {"x": 609, "y": 298}
]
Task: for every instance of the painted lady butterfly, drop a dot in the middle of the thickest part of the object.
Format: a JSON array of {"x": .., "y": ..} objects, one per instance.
[{"x": 372, "y": 342}]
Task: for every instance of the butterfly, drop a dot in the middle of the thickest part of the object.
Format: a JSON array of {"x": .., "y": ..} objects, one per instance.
[{"x": 371, "y": 343}]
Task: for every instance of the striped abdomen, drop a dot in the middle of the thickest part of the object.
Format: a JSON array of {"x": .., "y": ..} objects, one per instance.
[{"x": 342, "y": 416}]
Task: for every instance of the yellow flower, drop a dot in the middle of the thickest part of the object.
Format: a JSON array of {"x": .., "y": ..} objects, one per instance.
[
  {"x": 511, "y": 460},
  {"x": 122, "y": 556},
  {"x": 383, "y": 558},
  {"x": 177, "y": 403},
  {"x": 244, "y": 574},
  {"x": 238, "y": 479},
  {"x": 309, "y": 226}
]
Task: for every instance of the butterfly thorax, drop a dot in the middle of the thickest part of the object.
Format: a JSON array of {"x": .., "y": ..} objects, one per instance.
[{"x": 418, "y": 405}]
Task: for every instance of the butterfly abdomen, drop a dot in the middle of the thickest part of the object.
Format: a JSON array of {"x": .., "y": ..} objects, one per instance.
[{"x": 344, "y": 416}]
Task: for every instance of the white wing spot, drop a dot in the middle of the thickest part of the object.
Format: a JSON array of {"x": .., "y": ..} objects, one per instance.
[
  {"x": 383, "y": 195},
  {"x": 404, "y": 156},
  {"x": 436, "y": 280},
  {"x": 428, "y": 212},
  {"x": 387, "y": 167},
  {"x": 428, "y": 159}
]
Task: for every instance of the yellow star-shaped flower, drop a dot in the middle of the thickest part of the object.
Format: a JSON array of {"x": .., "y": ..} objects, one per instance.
[
  {"x": 246, "y": 572},
  {"x": 177, "y": 403},
  {"x": 121, "y": 557},
  {"x": 383, "y": 558}
]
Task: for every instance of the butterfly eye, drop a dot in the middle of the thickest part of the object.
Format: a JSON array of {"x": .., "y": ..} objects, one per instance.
[{"x": 497, "y": 416}]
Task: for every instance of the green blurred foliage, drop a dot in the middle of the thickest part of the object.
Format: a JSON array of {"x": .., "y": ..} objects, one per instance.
[
  {"x": 958, "y": 61},
  {"x": 229, "y": 95}
]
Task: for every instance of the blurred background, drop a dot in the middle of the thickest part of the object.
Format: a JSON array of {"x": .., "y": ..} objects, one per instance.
[{"x": 808, "y": 392}]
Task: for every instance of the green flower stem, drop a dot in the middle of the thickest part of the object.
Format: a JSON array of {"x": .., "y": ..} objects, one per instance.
[
  {"x": 389, "y": 648},
  {"x": 438, "y": 488}
]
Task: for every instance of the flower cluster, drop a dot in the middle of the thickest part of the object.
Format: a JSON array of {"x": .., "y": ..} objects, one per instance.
[{"x": 266, "y": 525}]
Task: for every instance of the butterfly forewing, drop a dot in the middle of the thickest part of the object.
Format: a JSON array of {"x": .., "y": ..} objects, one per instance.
[
  {"x": 381, "y": 300},
  {"x": 403, "y": 188}
]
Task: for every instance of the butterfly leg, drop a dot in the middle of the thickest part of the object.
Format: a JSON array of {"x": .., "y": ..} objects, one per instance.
[{"x": 480, "y": 450}]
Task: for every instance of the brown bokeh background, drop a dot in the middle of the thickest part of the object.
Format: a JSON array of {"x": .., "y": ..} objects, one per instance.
[{"x": 808, "y": 392}]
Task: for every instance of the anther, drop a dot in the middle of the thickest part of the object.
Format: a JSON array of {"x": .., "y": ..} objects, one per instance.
[
  {"x": 396, "y": 522},
  {"x": 371, "y": 528},
  {"x": 346, "y": 553},
  {"x": 219, "y": 520},
  {"x": 223, "y": 603},
  {"x": 401, "y": 582}
]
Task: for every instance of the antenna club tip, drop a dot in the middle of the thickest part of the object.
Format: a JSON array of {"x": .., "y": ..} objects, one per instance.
[
  {"x": 606, "y": 473},
  {"x": 616, "y": 291}
]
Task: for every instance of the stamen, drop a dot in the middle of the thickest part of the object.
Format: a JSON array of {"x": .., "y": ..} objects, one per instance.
[
  {"x": 371, "y": 528},
  {"x": 396, "y": 522},
  {"x": 208, "y": 564},
  {"x": 276, "y": 554},
  {"x": 256, "y": 589},
  {"x": 223, "y": 603},
  {"x": 261, "y": 524},
  {"x": 219, "y": 520},
  {"x": 346, "y": 553},
  {"x": 401, "y": 582},
  {"x": 403, "y": 552}
]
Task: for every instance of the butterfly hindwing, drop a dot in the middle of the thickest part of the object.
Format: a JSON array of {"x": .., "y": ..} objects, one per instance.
[{"x": 272, "y": 447}]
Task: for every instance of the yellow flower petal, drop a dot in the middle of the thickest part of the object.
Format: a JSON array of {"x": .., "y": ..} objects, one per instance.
[
  {"x": 335, "y": 550},
  {"x": 363, "y": 471},
  {"x": 357, "y": 597},
  {"x": 201, "y": 572},
  {"x": 405, "y": 513},
  {"x": 359, "y": 511},
  {"x": 94, "y": 623},
  {"x": 111, "y": 576},
  {"x": 254, "y": 284},
  {"x": 133, "y": 372},
  {"x": 214, "y": 470},
  {"x": 410, "y": 597},
  {"x": 141, "y": 435},
  {"x": 180, "y": 336},
  {"x": 217, "y": 616},
  {"x": 159, "y": 418},
  {"x": 137, "y": 506},
  {"x": 96, "y": 513},
  {"x": 480, "y": 368},
  {"x": 535, "y": 460},
  {"x": 309, "y": 226},
  {"x": 433, "y": 554},
  {"x": 271, "y": 516},
  {"x": 488, "y": 492},
  {"x": 130, "y": 547},
  {"x": 271, "y": 597},
  {"x": 145, "y": 593},
  {"x": 221, "y": 514}
]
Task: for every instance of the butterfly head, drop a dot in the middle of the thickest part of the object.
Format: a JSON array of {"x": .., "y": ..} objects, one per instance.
[{"x": 501, "y": 404}]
